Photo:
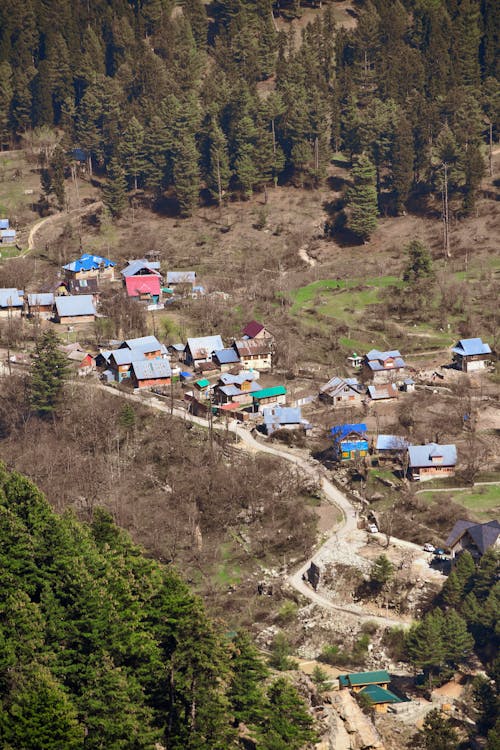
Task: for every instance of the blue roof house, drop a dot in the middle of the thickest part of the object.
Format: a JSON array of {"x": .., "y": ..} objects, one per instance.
[
  {"x": 470, "y": 355},
  {"x": 11, "y": 302},
  {"x": 350, "y": 441},
  {"x": 431, "y": 460},
  {"x": 225, "y": 359},
  {"x": 75, "y": 309},
  {"x": 4, "y": 223},
  {"x": 384, "y": 367},
  {"x": 283, "y": 418},
  {"x": 7, "y": 236},
  {"x": 89, "y": 266}
]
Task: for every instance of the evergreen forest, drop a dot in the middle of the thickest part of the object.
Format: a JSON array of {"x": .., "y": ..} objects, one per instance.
[
  {"x": 197, "y": 102},
  {"x": 101, "y": 647}
]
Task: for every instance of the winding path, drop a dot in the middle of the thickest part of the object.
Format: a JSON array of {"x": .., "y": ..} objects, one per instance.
[
  {"x": 313, "y": 469},
  {"x": 39, "y": 224}
]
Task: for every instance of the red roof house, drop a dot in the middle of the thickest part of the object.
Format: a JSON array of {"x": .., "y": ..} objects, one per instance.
[
  {"x": 144, "y": 287},
  {"x": 255, "y": 330}
]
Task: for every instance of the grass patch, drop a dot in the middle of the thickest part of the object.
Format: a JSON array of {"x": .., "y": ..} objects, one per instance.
[
  {"x": 227, "y": 572},
  {"x": 482, "y": 502}
]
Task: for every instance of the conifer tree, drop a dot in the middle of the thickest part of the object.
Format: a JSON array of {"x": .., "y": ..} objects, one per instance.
[
  {"x": 362, "y": 199},
  {"x": 288, "y": 723},
  {"x": 402, "y": 162},
  {"x": 186, "y": 173},
  {"x": 57, "y": 166},
  {"x": 6, "y": 94},
  {"x": 457, "y": 641},
  {"x": 48, "y": 373},
  {"x": 424, "y": 643},
  {"x": 114, "y": 193},
  {"x": 437, "y": 733},
  {"x": 419, "y": 262},
  {"x": 132, "y": 151},
  {"x": 215, "y": 160},
  {"x": 195, "y": 12}
]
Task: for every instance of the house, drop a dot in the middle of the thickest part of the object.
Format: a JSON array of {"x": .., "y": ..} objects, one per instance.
[
  {"x": 226, "y": 359},
  {"x": 177, "y": 351},
  {"x": 391, "y": 446},
  {"x": 350, "y": 441},
  {"x": 179, "y": 280},
  {"x": 382, "y": 392},
  {"x": 7, "y": 234},
  {"x": 202, "y": 388},
  {"x": 470, "y": 355},
  {"x": 283, "y": 418},
  {"x": 142, "y": 280},
  {"x": 384, "y": 367},
  {"x": 78, "y": 286},
  {"x": 89, "y": 266},
  {"x": 476, "y": 538},
  {"x": 148, "y": 373},
  {"x": 149, "y": 346},
  {"x": 79, "y": 309},
  {"x": 11, "y": 302},
  {"x": 356, "y": 681},
  {"x": 83, "y": 361},
  {"x": 255, "y": 330},
  {"x": 254, "y": 353},
  {"x": 380, "y": 698},
  {"x": 120, "y": 362},
  {"x": 342, "y": 392},
  {"x": 408, "y": 385},
  {"x": 236, "y": 389},
  {"x": 201, "y": 349},
  {"x": 41, "y": 304},
  {"x": 276, "y": 395},
  {"x": 432, "y": 460}
]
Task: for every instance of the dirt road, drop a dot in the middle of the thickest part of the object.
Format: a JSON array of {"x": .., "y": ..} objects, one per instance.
[
  {"x": 48, "y": 219},
  {"x": 313, "y": 469}
]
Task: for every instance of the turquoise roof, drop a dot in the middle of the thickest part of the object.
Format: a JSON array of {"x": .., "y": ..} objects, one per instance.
[
  {"x": 377, "y": 694},
  {"x": 367, "y": 678}
]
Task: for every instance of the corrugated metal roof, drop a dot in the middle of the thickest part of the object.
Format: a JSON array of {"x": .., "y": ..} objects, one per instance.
[
  {"x": 181, "y": 277},
  {"x": 148, "y": 369},
  {"x": 242, "y": 377},
  {"x": 471, "y": 347},
  {"x": 343, "y": 430},
  {"x": 71, "y": 306},
  {"x": 4, "y": 223},
  {"x": 227, "y": 357},
  {"x": 135, "y": 266},
  {"x": 378, "y": 392},
  {"x": 43, "y": 298},
  {"x": 11, "y": 298},
  {"x": 203, "y": 383},
  {"x": 421, "y": 455},
  {"x": 282, "y": 415},
  {"x": 276, "y": 390},
  {"x": 204, "y": 346},
  {"x": 88, "y": 262},
  {"x": 8, "y": 233},
  {"x": 127, "y": 356},
  {"x": 144, "y": 343},
  {"x": 253, "y": 347},
  {"x": 378, "y": 677},
  {"x": 391, "y": 443},
  {"x": 337, "y": 384},
  {"x": 377, "y": 694}
]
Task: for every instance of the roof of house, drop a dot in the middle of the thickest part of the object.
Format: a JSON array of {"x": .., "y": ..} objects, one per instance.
[
  {"x": 135, "y": 266},
  {"x": 377, "y": 694},
  {"x": 381, "y": 676},
  {"x": 232, "y": 390},
  {"x": 391, "y": 443},
  {"x": 376, "y": 359},
  {"x": 378, "y": 392},
  {"x": 88, "y": 262},
  {"x": 143, "y": 343},
  {"x": 252, "y": 329},
  {"x": 276, "y": 390},
  {"x": 409, "y": 381},
  {"x": 484, "y": 535},
  {"x": 7, "y": 232},
  {"x": 204, "y": 346},
  {"x": 11, "y": 298},
  {"x": 137, "y": 285},
  {"x": 281, "y": 415},
  {"x": 42, "y": 298},
  {"x": 252, "y": 347},
  {"x": 181, "y": 277},
  {"x": 341, "y": 431},
  {"x": 421, "y": 456},
  {"x": 149, "y": 369},
  {"x": 471, "y": 347},
  {"x": 82, "y": 286},
  {"x": 177, "y": 347},
  {"x": 203, "y": 383},
  {"x": 245, "y": 375},
  {"x": 227, "y": 357},
  {"x": 73, "y": 306},
  {"x": 127, "y": 356},
  {"x": 337, "y": 384},
  {"x": 4, "y": 223}
]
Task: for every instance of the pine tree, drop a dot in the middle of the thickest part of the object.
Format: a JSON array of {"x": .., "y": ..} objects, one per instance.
[
  {"x": 402, "y": 159},
  {"x": 419, "y": 262},
  {"x": 246, "y": 688},
  {"x": 424, "y": 643},
  {"x": 186, "y": 173},
  {"x": 457, "y": 641},
  {"x": 48, "y": 373},
  {"x": 474, "y": 169},
  {"x": 6, "y": 94},
  {"x": 57, "y": 165},
  {"x": 437, "y": 733},
  {"x": 132, "y": 151},
  {"x": 195, "y": 12},
  {"x": 452, "y": 591},
  {"x": 382, "y": 571},
  {"x": 288, "y": 724},
  {"x": 114, "y": 193},
  {"x": 362, "y": 199}
]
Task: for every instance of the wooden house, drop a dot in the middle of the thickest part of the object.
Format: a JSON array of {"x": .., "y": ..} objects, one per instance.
[
  {"x": 89, "y": 266},
  {"x": 70, "y": 310},
  {"x": 470, "y": 355},
  {"x": 11, "y": 303},
  {"x": 201, "y": 349},
  {"x": 142, "y": 280},
  {"x": 255, "y": 353},
  {"x": 150, "y": 373},
  {"x": 236, "y": 389},
  {"x": 120, "y": 362},
  {"x": 226, "y": 359},
  {"x": 342, "y": 392},
  {"x": 356, "y": 681},
  {"x": 382, "y": 392},
  {"x": 41, "y": 305},
  {"x": 149, "y": 346},
  {"x": 431, "y": 461},
  {"x": 350, "y": 441},
  {"x": 391, "y": 446},
  {"x": 379, "y": 698},
  {"x": 275, "y": 396},
  {"x": 7, "y": 233},
  {"x": 179, "y": 281},
  {"x": 476, "y": 538},
  {"x": 255, "y": 330},
  {"x": 284, "y": 418},
  {"x": 383, "y": 367}
]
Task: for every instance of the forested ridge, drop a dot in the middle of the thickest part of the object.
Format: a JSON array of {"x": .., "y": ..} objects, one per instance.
[
  {"x": 169, "y": 98},
  {"x": 103, "y": 648}
]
